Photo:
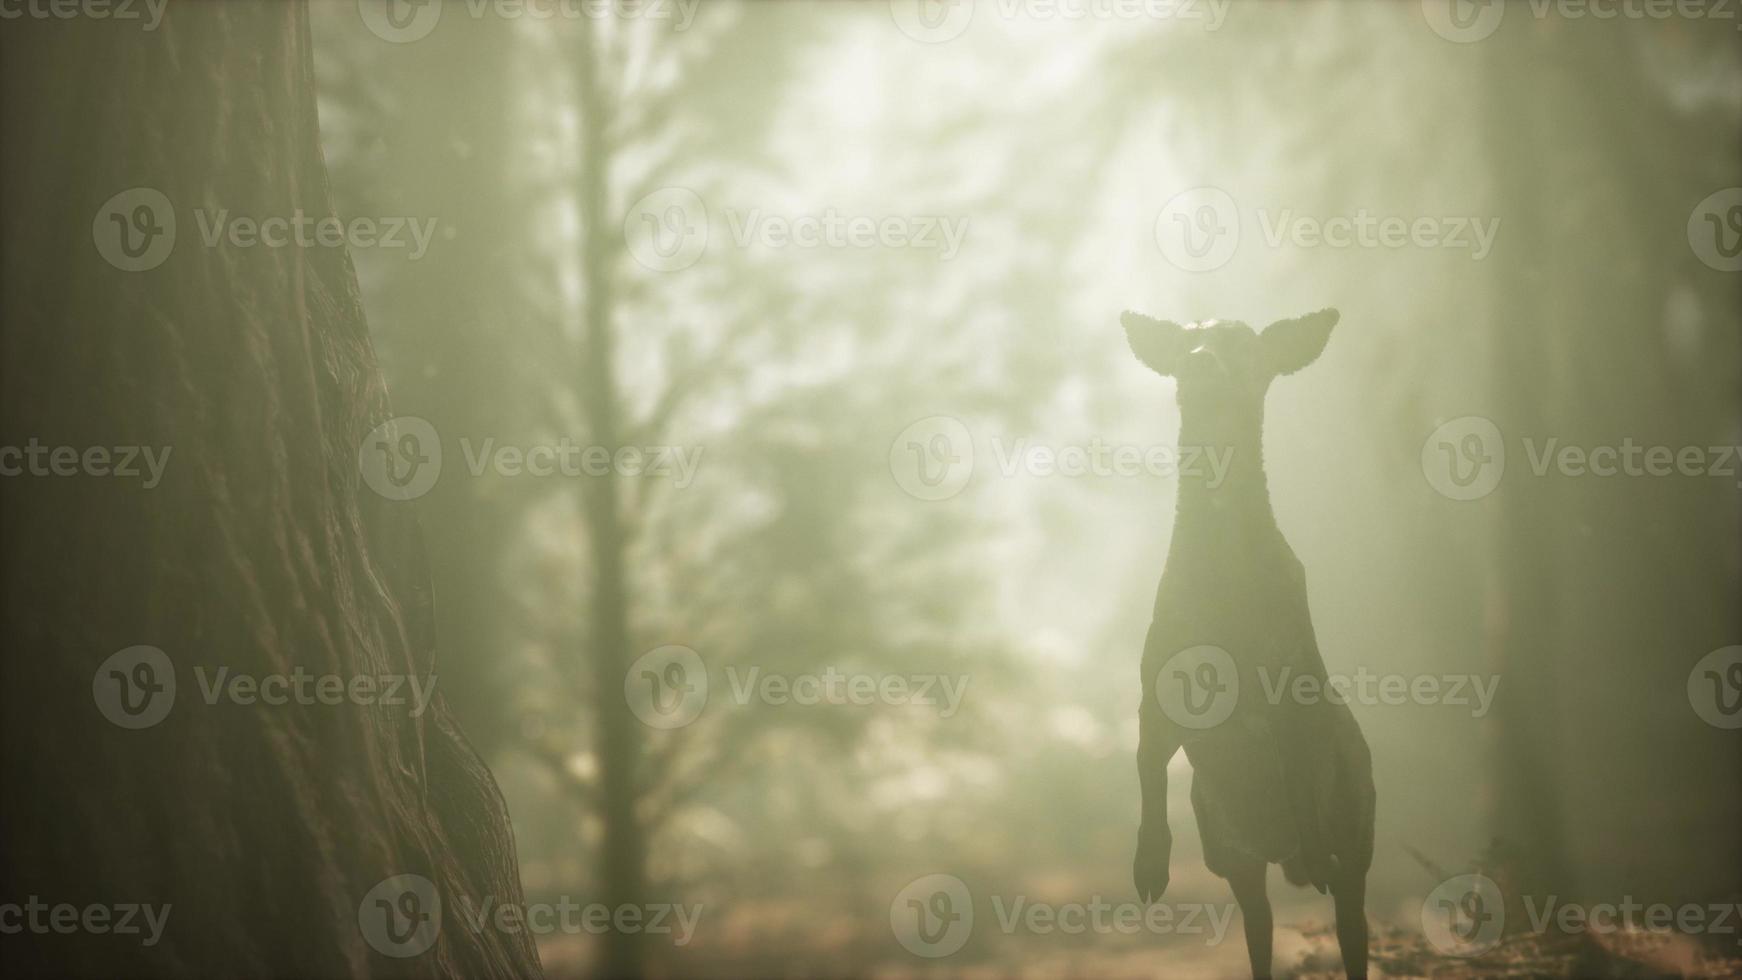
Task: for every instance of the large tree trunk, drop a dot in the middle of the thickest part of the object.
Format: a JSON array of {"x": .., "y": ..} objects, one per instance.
[{"x": 261, "y": 550}]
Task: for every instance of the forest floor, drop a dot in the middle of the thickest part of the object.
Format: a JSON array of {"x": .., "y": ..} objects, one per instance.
[
  {"x": 1308, "y": 953},
  {"x": 1630, "y": 953}
]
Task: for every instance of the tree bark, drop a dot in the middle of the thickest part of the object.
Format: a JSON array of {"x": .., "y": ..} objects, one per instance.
[{"x": 263, "y": 827}]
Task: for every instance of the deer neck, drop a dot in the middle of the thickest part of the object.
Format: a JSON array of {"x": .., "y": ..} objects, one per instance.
[{"x": 1224, "y": 500}]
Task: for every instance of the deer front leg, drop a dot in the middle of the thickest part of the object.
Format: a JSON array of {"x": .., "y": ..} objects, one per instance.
[{"x": 1156, "y": 744}]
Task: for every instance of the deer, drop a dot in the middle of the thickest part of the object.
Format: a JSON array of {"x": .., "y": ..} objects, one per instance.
[{"x": 1275, "y": 779}]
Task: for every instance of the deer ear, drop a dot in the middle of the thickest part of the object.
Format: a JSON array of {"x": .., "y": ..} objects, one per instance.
[
  {"x": 1157, "y": 343},
  {"x": 1290, "y": 345}
]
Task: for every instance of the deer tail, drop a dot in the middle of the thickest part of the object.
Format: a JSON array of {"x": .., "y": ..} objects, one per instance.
[{"x": 1296, "y": 871}]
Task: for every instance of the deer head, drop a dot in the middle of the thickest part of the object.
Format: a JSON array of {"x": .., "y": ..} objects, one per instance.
[{"x": 1224, "y": 367}]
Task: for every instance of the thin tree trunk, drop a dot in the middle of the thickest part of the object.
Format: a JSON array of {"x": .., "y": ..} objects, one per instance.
[
  {"x": 262, "y": 827},
  {"x": 623, "y": 850},
  {"x": 1523, "y": 612}
]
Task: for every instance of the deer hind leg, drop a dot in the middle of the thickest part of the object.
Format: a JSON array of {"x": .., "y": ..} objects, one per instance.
[
  {"x": 1350, "y": 892},
  {"x": 1354, "y": 850},
  {"x": 1246, "y": 877}
]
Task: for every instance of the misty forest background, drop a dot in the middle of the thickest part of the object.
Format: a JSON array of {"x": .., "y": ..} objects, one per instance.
[{"x": 795, "y": 549}]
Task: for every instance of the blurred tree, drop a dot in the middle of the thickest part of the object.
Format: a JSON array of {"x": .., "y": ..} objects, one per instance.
[{"x": 783, "y": 371}]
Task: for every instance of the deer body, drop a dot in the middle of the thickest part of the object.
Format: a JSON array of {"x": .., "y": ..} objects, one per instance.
[{"x": 1276, "y": 778}]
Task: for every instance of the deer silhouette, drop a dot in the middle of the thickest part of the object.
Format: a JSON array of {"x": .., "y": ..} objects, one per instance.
[{"x": 1277, "y": 777}]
